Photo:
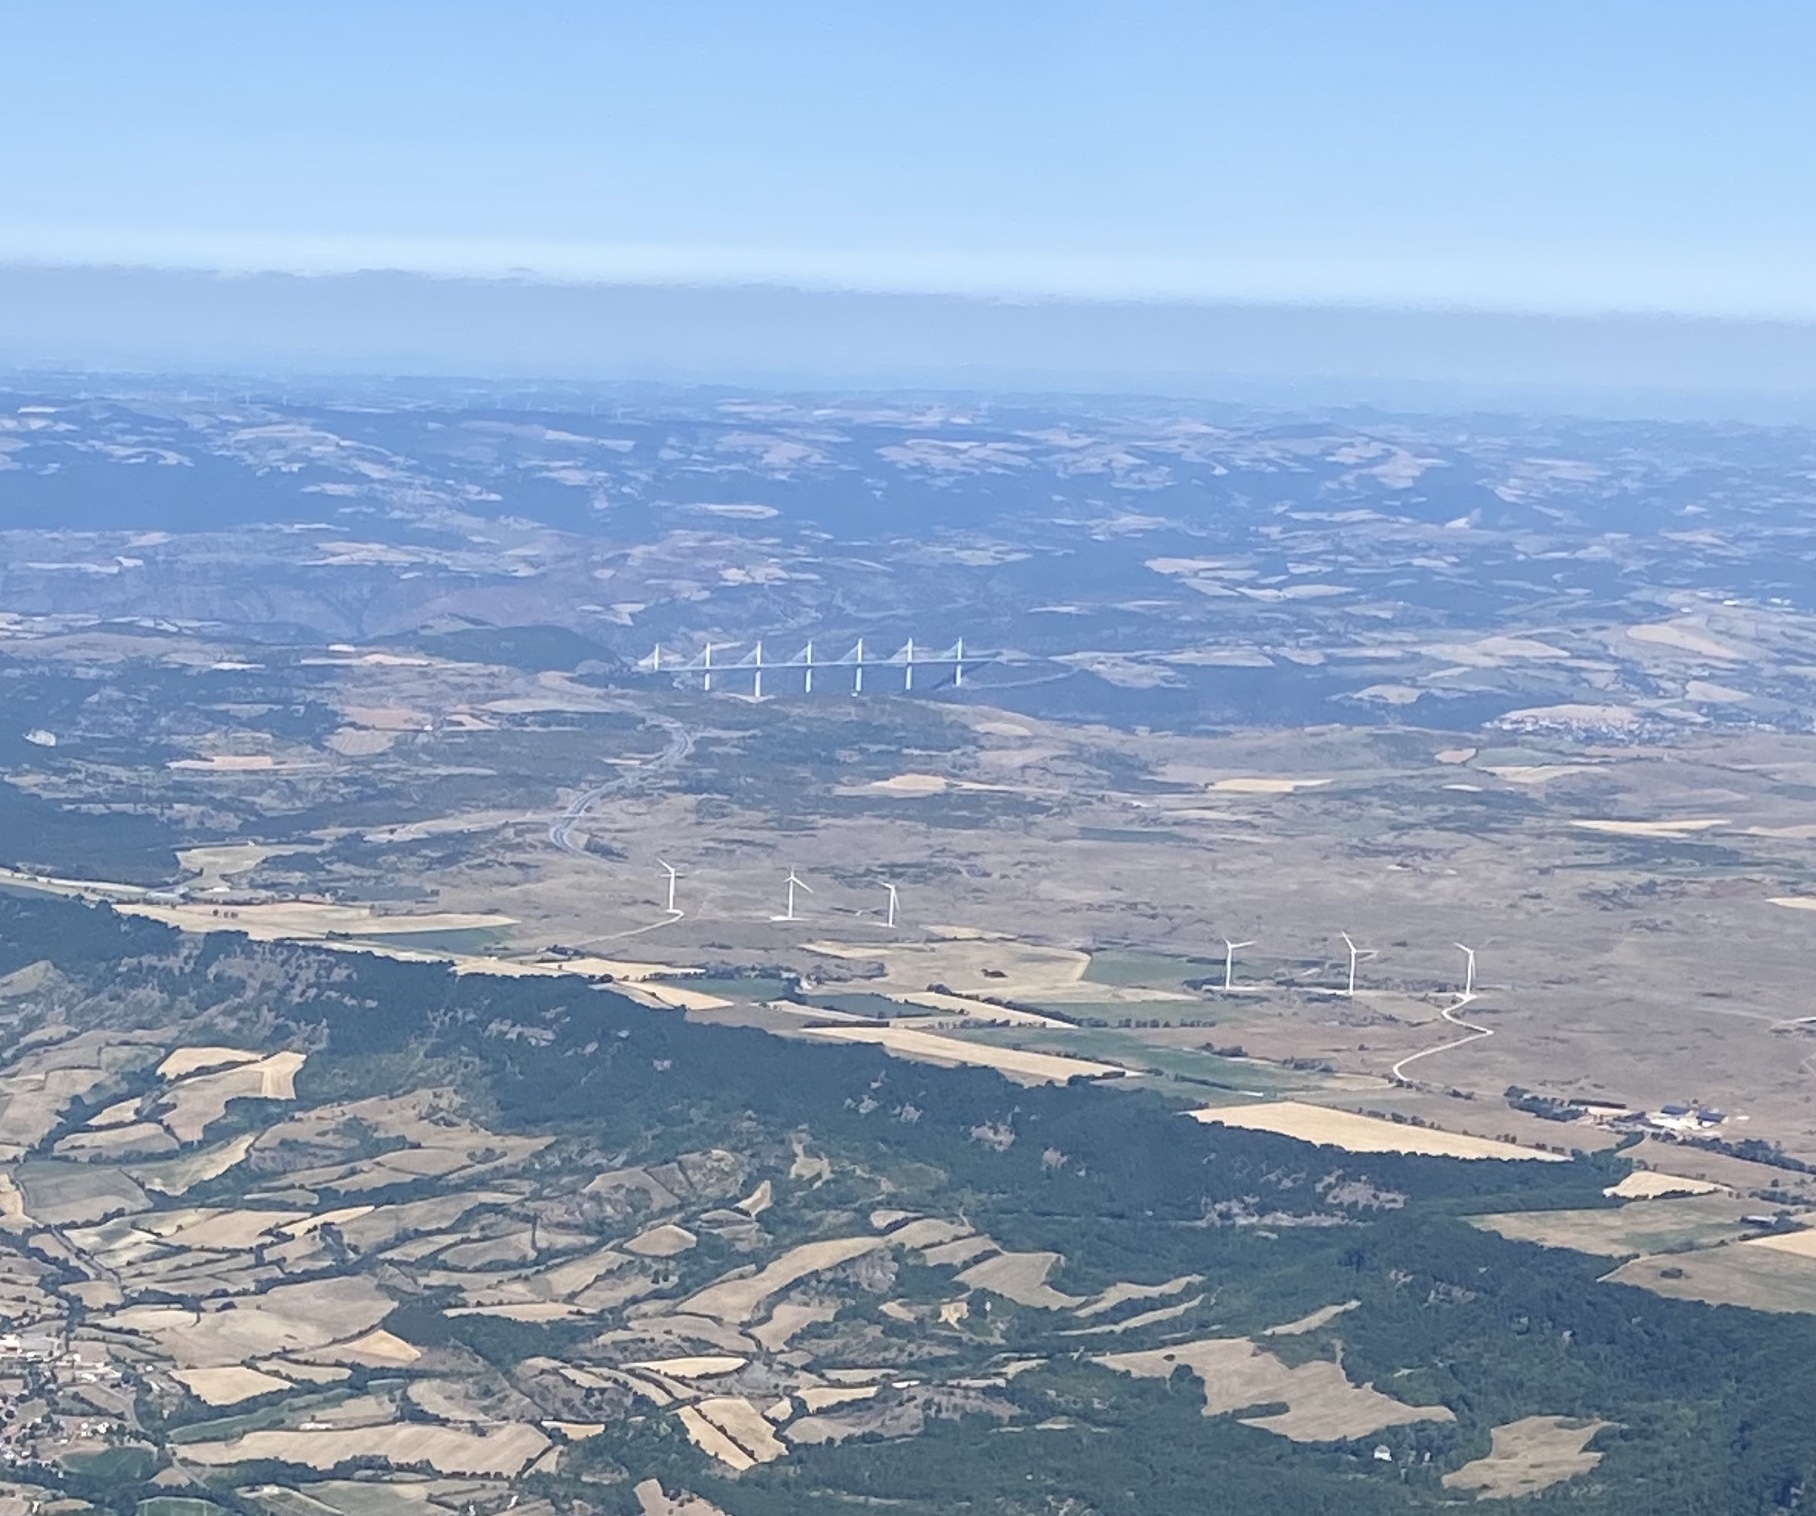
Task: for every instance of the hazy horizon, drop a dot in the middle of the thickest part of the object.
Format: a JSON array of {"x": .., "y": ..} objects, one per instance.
[{"x": 400, "y": 324}]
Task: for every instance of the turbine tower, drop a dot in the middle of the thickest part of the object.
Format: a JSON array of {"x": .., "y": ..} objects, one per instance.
[
  {"x": 673, "y": 874},
  {"x": 807, "y": 679},
  {"x": 1469, "y": 971},
  {"x": 795, "y": 882},
  {"x": 857, "y": 673},
  {"x": 894, "y": 901},
  {"x": 1355, "y": 954},
  {"x": 1229, "y": 962}
]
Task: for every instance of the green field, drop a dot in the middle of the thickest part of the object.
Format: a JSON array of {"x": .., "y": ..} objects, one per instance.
[
  {"x": 178, "y": 1505},
  {"x": 1162, "y": 971},
  {"x": 1184, "y": 1064}
]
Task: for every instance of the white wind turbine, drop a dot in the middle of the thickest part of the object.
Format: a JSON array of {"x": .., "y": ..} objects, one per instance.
[
  {"x": 894, "y": 901},
  {"x": 1355, "y": 955},
  {"x": 673, "y": 875},
  {"x": 1469, "y": 970},
  {"x": 795, "y": 882},
  {"x": 1229, "y": 963}
]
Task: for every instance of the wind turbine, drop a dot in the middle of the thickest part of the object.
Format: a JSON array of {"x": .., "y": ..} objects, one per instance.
[
  {"x": 673, "y": 874},
  {"x": 1355, "y": 954},
  {"x": 1229, "y": 962},
  {"x": 894, "y": 901},
  {"x": 794, "y": 883},
  {"x": 1469, "y": 970}
]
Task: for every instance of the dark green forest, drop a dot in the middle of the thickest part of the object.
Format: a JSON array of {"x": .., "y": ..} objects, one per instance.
[{"x": 1711, "y": 1406}]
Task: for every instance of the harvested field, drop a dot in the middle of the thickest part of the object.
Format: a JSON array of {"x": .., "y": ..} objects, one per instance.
[
  {"x": 1322, "y": 1317},
  {"x": 576, "y": 1431},
  {"x": 672, "y": 997},
  {"x": 215, "y": 865},
  {"x": 178, "y": 1176},
  {"x": 1665, "y": 829},
  {"x": 661, "y": 1242},
  {"x": 192, "y": 1105},
  {"x": 929, "y": 1047},
  {"x": 287, "y": 1319},
  {"x": 229, "y": 1231},
  {"x": 1800, "y": 1244},
  {"x": 787, "y": 1320},
  {"x": 1649, "y": 1184},
  {"x": 503, "y": 1450},
  {"x": 43, "y": 1082},
  {"x": 699, "y": 1366},
  {"x": 1684, "y": 637},
  {"x": 901, "y": 784},
  {"x": 305, "y": 921},
  {"x": 633, "y": 1181},
  {"x": 1762, "y": 1279},
  {"x": 1322, "y": 1405},
  {"x": 436, "y": 1214},
  {"x": 529, "y": 1310},
  {"x": 1128, "y": 1324},
  {"x": 1361, "y": 1134},
  {"x": 575, "y": 1274},
  {"x": 65, "y": 1194},
  {"x": 960, "y": 1010},
  {"x": 228, "y": 1385},
  {"x": 745, "y": 1425},
  {"x": 346, "y": 1497},
  {"x": 186, "y": 1061},
  {"x": 490, "y": 1252},
  {"x": 818, "y": 1398},
  {"x": 739, "y": 1300},
  {"x": 306, "y": 1373},
  {"x": 707, "y": 1437},
  {"x": 927, "y": 1232},
  {"x": 231, "y": 763},
  {"x": 959, "y": 1251},
  {"x": 378, "y": 1349},
  {"x": 311, "y": 1224},
  {"x": 447, "y": 1400},
  {"x": 1262, "y": 786},
  {"x": 1119, "y": 1294},
  {"x": 1695, "y": 1221},
  {"x": 652, "y": 1502},
  {"x": 139, "y": 1139},
  {"x": 12, "y": 1203},
  {"x": 1527, "y": 1456},
  {"x": 1021, "y": 1277},
  {"x": 967, "y": 963}
]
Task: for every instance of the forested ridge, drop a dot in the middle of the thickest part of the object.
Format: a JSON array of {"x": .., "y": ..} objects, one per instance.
[{"x": 1709, "y": 1407}]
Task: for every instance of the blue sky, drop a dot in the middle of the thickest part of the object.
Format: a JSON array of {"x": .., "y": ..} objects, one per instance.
[{"x": 1595, "y": 155}]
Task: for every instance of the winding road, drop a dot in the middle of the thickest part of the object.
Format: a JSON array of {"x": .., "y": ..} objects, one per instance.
[
  {"x": 1398, "y": 1072},
  {"x": 680, "y": 744}
]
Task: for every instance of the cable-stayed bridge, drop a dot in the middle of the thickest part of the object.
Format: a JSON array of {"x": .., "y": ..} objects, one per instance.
[{"x": 741, "y": 667}]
